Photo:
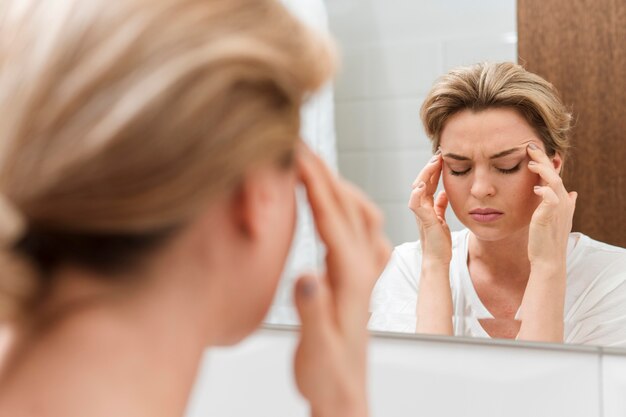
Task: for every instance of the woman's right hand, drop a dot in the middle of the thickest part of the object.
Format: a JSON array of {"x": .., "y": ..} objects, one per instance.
[
  {"x": 434, "y": 301},
  {"x": 330, "y": 361},
  {"x": 430, "y": 213}
]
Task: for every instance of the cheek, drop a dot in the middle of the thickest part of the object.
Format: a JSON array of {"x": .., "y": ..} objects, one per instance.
[
  {"x": 520, "y": 190},
  {"x": 277, "y": 243},
  {"x": 285, "y": 225},
  {"x": 457, "y": 190}
]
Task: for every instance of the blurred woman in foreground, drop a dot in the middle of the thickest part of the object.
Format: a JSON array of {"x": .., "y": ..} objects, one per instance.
[{"x": 149, "y": 154}]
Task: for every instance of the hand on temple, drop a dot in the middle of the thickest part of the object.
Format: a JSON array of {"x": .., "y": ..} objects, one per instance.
[
  {"x": 330, "y": 362},
  {"x": 434, "y": 305}
]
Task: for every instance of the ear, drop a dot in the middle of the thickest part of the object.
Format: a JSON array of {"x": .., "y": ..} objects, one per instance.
[
  {"x": 252, "y": 203},
  {"x": 557, "y": 162}
]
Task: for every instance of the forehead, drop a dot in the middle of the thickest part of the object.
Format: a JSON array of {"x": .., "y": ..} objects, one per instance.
[{"x": 486, "y": 131}]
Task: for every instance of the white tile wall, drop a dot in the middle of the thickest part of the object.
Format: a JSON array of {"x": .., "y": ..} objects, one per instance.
[
  {"x": 387, "y": 175},
  {"x": 392, "y": 51},
  {"x": 614, "y": 385},
  {"x": 362, "y": 22},
  {"x": 374, "y": 125}
]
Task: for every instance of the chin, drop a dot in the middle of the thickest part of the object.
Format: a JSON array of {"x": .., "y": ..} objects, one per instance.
[
  {"x": 239, "y": 331},
  {"x": 246, "y": 318},
  {"x": 493, "y": 232}
]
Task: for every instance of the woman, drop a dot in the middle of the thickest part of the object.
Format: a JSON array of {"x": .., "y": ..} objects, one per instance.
[
  {"x": 501, "y": 136},
  {"x": 149, "y": 156}
]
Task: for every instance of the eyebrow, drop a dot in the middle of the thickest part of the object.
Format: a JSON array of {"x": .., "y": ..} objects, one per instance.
[{"x": 494, "y": 156}]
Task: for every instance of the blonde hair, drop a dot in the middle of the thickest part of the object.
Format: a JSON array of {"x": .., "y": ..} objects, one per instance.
[
  {"x": 491, "y": 85},
  {"x": 122, "y": 119}
]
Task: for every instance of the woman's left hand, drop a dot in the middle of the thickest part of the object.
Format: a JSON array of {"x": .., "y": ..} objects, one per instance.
[
  {"x": 551, "y": 222},
  {"x": 544, "y": 299}
]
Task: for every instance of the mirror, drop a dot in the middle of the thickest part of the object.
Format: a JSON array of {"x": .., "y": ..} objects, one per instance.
[{"x": 392, "y": 52}]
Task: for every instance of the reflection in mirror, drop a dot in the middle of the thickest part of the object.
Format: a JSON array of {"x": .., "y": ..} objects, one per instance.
[
  {"x": 502, "y": 136},
  {"x": 510, "y": 268}
]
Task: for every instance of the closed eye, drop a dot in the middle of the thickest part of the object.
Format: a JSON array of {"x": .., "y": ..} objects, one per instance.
[
  {"x": 502, "y": 170},
  {"x": 459, "y": 173},
  {"x": 510, "y": 170}
]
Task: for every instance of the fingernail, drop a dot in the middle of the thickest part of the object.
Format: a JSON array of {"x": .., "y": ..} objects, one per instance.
[
  {"x": 308, "y": 288},
  {"x": 532, "y": 163},
  {"x": 438, "y": 151},
  {"x": 532, "y": 146},
  {"x": 537, "y": 188},
  {"x": 421, "y": 184},
  {"x": 434, "y": 158}
]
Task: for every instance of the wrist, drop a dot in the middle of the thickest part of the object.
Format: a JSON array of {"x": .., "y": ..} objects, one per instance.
[
  {"x": 434, "y": 267},
  {"x": 550, "y": 269}
]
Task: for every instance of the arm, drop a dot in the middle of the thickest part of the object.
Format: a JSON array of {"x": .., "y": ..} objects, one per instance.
[
  {"x": 434, "y": 303},
  {"x": 543, "y": 303}
]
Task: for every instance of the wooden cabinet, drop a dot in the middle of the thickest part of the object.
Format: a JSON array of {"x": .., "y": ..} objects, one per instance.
[{"x": 580, "y": 46}]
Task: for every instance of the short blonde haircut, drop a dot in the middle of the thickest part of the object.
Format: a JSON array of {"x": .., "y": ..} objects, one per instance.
[
  {"x": 492, "y": 85},
  {"x": 122, "y": 119}
]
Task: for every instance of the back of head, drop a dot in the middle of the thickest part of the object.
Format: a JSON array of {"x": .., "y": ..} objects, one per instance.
[
  {"x": 492, "y": 85},
  {"x": 123, "y": 118}
]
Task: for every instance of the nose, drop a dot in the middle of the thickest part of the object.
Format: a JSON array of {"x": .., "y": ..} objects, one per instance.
[{"x": 482, "y": 185}]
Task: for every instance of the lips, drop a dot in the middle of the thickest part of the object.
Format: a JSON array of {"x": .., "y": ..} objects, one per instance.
[{"x": 485, "y": 215}]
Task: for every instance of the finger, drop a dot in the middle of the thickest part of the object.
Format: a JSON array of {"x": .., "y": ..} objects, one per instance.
[
  {"x": 415, "y": 199},
  {"x": 547, "y": 208},
  {"x": 536, "y": 153},
  {"x": 370, "y": 233},
  {"x": 316, "y": 329},
  {"x": 573, "y": 197},
  {"x": 433, "y": 181},
  {"x": 441, "y": 203},
  {"x": 374, "y": 222},
  {"x": 541, "y": 164},
  {"x": 321, "y": 195},
  {"x": 344, "y": 195},
  {"x": 547, "y": 194},
  {"x": 314, "y": 307},
  {"x": 365, "y": 217},
  {"x": 422, "y": 208},
  {"x": 549, "y": 175},
  {"x": 419, "y": 199},
  {"x": 430, "y": 173}
]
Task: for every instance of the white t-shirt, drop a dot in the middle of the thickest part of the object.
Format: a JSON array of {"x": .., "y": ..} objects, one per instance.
[{"x": 595, "y": 297}]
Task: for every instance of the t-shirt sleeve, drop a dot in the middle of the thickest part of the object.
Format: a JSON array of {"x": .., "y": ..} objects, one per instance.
[
  {"x": 394, "y": 300},
  {"x": 599, "y": 317}
]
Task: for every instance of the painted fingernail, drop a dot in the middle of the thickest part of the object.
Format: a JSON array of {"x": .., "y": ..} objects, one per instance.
[
  {"x": 308, "y": 288},
  {"x": 532, "y": 146},
  {"x": 421, "y": 184}
]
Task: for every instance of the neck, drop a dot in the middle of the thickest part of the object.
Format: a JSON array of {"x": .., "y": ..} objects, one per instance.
[
  {"x": 506, "y": 259},
  {"x": 144, "y": 343}
]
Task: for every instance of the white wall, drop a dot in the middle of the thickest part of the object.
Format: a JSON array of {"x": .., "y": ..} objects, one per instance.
[
  {"x": 424, "y": 376},
  {"x": 392, "y": 51}
]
